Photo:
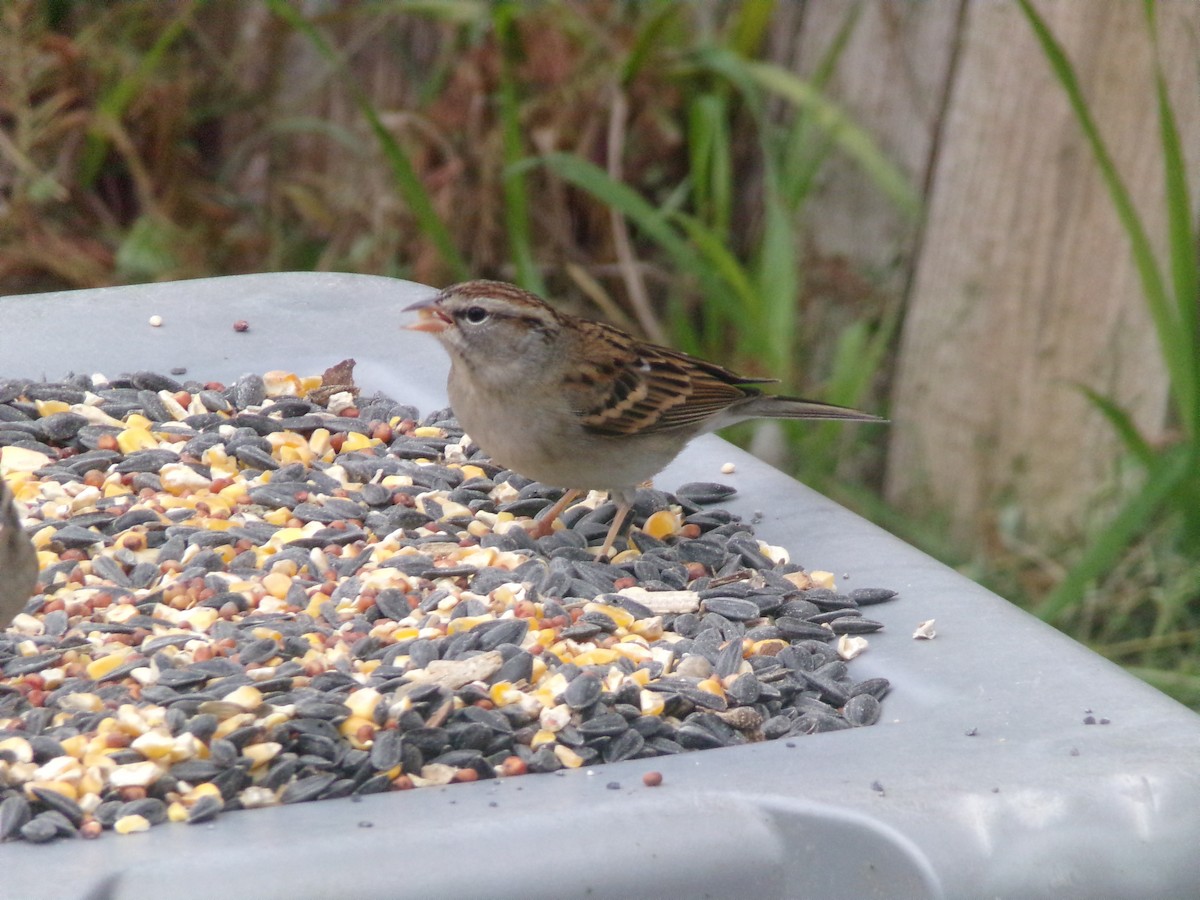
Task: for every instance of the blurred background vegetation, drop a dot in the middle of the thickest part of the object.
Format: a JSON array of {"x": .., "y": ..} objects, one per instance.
[{"x": 797, "y": 190}]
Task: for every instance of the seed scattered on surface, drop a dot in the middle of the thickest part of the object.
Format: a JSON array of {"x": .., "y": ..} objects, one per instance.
[
  {"x": 283, "y": 590},
  {"x": 925, "y": 631},
  {"x": 728, "y": 468},
  {"x": 241, "y": 325},
  {"x": 156, "y": 321},
  {"x": 652, "y": 779}
]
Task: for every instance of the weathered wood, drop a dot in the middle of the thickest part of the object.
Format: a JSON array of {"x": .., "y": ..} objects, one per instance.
[
  {"x": 1024, "y": 286},
  {"x": 892, "y": 79}
]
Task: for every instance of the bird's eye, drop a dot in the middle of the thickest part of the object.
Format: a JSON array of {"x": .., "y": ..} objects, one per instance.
[{"x": 476, "y": 315}]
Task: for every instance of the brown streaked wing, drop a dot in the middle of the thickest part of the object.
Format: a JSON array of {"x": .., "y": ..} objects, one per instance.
[{"x": 644, "y": 388}]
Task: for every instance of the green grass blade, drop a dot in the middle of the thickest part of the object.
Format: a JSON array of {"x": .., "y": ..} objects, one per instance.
[
  {"x": 1176, "y": 347},
  {"x": 516, "y": 197},
  {"x": 407, "y": 182},
  {"x": 742, "y": 297},
  {"x": 1166, "y": 478},
  {"x": 750, "y": 25},
  {"x": 652, "y": 222},
  {"x": 1123, "y": 425},
  {"x": 777, "y": 274},
  {"x": 846, "y": 135},
  {"x": 1182, "y": 243},
  {"x": 114, "y": 103},
  {"x": 735, "y": 308},
  {"x": 802, "y": 151},
  {"x": 711, "y": 166},
  {"x": 649, "y": 39}
]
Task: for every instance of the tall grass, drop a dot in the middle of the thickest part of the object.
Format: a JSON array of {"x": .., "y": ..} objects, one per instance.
[
  {"x": 1171, "y": 290},
  {"x": 738, "y": 294}
]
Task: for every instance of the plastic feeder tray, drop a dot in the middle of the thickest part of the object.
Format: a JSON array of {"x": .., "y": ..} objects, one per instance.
[{"x": 981, "y": 780}]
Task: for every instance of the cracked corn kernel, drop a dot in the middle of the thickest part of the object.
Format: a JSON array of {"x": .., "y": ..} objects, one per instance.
[
  {"x": 663, "y": 523},
  {"x": 131, "y": 824}
]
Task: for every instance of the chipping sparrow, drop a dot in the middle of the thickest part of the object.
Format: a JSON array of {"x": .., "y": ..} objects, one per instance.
[
  {"x": 579, "y": 404},
  {"x": 18, "y": 560}
]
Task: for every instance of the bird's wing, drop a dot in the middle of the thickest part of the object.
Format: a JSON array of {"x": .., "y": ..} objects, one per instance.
[{"x": 637, "y": 388}]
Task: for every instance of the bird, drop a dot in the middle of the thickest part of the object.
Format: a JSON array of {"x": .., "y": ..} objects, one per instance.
[
  {"x": 579, "y": 404},
  {"x": 18, "y": 560}
]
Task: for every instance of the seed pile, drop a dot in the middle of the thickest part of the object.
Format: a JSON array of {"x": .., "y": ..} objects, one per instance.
[{"x": 280, "y": 591}]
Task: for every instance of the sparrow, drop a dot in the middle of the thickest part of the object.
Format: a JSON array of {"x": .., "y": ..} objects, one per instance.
[{"x": 579, "y": 404}]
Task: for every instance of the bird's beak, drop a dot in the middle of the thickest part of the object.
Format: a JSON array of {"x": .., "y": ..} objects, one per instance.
[{"x": 432, "y": 319}]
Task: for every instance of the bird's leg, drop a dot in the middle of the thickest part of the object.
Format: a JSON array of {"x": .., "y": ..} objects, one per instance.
[
  {"x": 544, "y": 523},
  {"x": 614, "y": 529}
]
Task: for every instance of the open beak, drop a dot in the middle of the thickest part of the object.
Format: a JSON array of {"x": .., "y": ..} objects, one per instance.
[{"x": 432, "y": 319}]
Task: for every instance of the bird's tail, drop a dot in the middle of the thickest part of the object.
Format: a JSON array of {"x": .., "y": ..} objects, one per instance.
[{"x": 770, "y": 407}]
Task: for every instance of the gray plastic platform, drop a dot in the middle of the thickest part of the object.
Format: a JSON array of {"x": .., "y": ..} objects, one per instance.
[{"x": 982, "y": 779}]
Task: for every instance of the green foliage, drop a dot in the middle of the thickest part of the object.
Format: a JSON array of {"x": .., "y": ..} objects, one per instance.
[{"x": 407, "y": 183}]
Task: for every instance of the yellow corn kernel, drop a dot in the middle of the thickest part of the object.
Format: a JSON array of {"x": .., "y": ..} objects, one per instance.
[
  {"x": 319, "y": 444},
  {"x": 568, "y": 757},
  {"x": 640, "y": 677},
  {"x": 64, "y": 788},
  {"x": 177, "y": 812},
  {"x": 200, "y": 618},
  {"x": 284, "y": 535},
  {"x": 50, "y": 407},
  {"x": 133, "y": 439},
  {"x": 277, "y": 583},
  {"x": 769, "y": 647},
  {"x": 651, "y": 629},
  {"x": 207, "y": 789},
  {"x": 542, "y": 737},
  {"x": 363, "y": 702},
  {"x": 131, "y": 824},
  {"x": 75, "y": 745},
  {"x": 154, "y": 745},
  {"x": 713, "y": 686},
  {"x": 261, "y": 753},
  {"x": 22, "y": 459},
  {"x": 98, "y": 668},
  {"x": 232, "y": 724},
  {"x": 279, "y": 517},
  {"x": 357, "y": 441},
  {"x": 596, "y": 657},
  {"x": 92, "y": 782},
  {"x": 662, "y": 524},
  {"x": 428, "y": 431},
  {"x": 247, "y": 697},
  {"x": 351, "y": 724},
  {"x": 651, "y": 702},
  {"x": 282, "y": 384},
  {"x": 825, "y": 580}
]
